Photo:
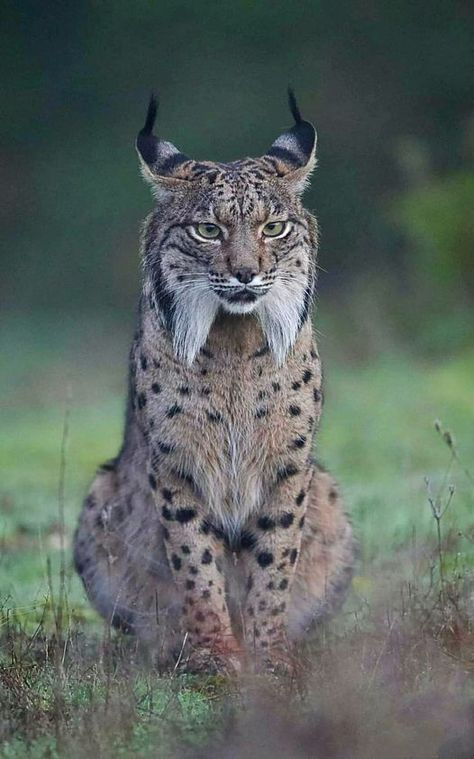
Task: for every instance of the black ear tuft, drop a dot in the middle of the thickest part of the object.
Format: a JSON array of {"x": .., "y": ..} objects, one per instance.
[
  {"x": 160, "y": 160},
  {"x": 295, "y": 149},
  {"x": 151, "y": 115},
  {"x": 146, "y": 140},
  {"x": 293, "y": 105}
]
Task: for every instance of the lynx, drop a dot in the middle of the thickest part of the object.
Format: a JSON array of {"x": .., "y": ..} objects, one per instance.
[{"x": 214, "y": 527}]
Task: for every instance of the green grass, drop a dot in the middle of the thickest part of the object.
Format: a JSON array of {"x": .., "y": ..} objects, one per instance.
[{"x": 378, "y": 436}]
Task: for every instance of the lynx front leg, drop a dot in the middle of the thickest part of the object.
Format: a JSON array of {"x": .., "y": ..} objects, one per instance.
[
  {"x": 274, "y": 538},
  {"x": 193, "y": 552}
]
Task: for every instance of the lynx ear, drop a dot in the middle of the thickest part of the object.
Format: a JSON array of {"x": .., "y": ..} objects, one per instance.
[
  {"x": 295, "y": 150},
  {"x": 160, "y": 161}
]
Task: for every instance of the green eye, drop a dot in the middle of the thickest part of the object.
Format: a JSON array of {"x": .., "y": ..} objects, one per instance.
[
  {"x": 273, "y": 228},
  {"x": 208, "y": 231}
]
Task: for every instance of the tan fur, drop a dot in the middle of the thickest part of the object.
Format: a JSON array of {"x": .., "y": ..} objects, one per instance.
[{"x": 214, "y": 520}]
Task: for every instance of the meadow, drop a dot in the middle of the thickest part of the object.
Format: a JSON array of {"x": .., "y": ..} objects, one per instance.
[{"x": 393, "y": 673}]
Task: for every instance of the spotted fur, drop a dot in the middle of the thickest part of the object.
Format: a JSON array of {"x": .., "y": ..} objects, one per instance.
[{"x": 214, "y": 516}]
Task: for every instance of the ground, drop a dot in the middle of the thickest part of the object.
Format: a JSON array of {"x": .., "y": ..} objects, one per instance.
[{"x": 396, "y": 664}]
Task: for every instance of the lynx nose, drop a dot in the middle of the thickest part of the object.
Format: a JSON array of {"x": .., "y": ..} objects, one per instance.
[{"x": 245, "y": 274}]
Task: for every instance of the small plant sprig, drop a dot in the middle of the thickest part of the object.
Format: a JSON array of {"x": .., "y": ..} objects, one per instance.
[
  {"x": 449, "y": 440},
  {"x": 439, "y": 507}
]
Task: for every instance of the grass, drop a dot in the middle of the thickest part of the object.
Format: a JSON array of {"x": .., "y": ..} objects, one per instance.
[{"x": 398, "y": 660}]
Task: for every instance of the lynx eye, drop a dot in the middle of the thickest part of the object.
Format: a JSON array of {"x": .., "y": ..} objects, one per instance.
[
  {"x": 208, "y": 231},
  {"x": 274, "y": 228}
]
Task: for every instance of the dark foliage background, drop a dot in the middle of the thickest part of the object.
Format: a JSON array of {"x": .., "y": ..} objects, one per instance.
[{"x": 390, "y": 87}]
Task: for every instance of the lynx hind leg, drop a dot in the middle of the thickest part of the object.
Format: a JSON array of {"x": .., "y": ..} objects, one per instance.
[
  {"x": 325, "y": 566},
  {"x": 119, "y": 554}
]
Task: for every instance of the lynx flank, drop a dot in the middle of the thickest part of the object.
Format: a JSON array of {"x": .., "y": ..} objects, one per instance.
[{"x": 214, "y": 525}]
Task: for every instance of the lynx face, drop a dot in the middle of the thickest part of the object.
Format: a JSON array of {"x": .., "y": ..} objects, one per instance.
[{"x": 231, "y": 237}]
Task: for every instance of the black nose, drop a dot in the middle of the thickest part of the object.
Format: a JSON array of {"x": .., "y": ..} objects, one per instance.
[{"x": 245, "y": 275}]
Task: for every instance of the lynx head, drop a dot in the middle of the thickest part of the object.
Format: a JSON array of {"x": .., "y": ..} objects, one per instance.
[{"x": 230, "y": 237}]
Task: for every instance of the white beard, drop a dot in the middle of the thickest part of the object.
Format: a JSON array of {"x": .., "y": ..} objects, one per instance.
[
  {"x": 194, "y": 315},
  {"x": 279, "y": 314}
]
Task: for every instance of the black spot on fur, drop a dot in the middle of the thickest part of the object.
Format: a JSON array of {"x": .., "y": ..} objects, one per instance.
[
  {"x": 166, "y": 533},
  {"x": 190, "y": 584},
  {"x": 300, "y": 498},
  {"x": 301, "y": 522},
  {"x": 266, "y": 523},
  {"x": 141, "y": 399},
  {"x": 156, "y": 388},
  {"x": 214, "y": 416},
  {"x": 296, "y": 385},
  {"x": 90, "y": 502},
  {"x": 173, "y": 410},
  {"x": 287, "y": 471},
  {"x": 206, "y": 594},
  {"x": 247, "y": 540},
  {"x": 332, "y": 495},
  {"x": 167, "y": 495},
  {"x": 184, "y": 515},
  {"x": 186, "y": 550},
  {"x": 207, "y": 353},
  {"x": 276, "y": 386},
  {"x": 100, "y": 521},
  {"x": 165, "y": 448},
  {"x": 286, "y": 520},
  {"x": 183, "y": 390},
  {"x": 261, "y": 352},
  {"x": 299, "y": 442},
  {"x": 193, "y": 570},
  {"x": 293, "y": 555},
  {"x": 143, "y": 362},
  {"x": 167, "y": 514},
  {"x": 317, "y": 395},
  {"x": 205, "y": 391},
  {"x": 207, "y": 528},
  {"x": 249, "y": 582},
  {"x": 261, "y": 412},
  {"x": 206, "y": 557},
  {"x": 265, "y": 558},
  {"x": 152, "y": 481},
  {"x": 283, "y": 585},
  {"x": 294, "y": 410},
  {"x": 176, "y": 561},
  {"x": 278, "y": 609}
]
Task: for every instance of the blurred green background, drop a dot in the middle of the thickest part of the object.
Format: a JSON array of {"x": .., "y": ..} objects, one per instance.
[{"x": 390, "y": 87}]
